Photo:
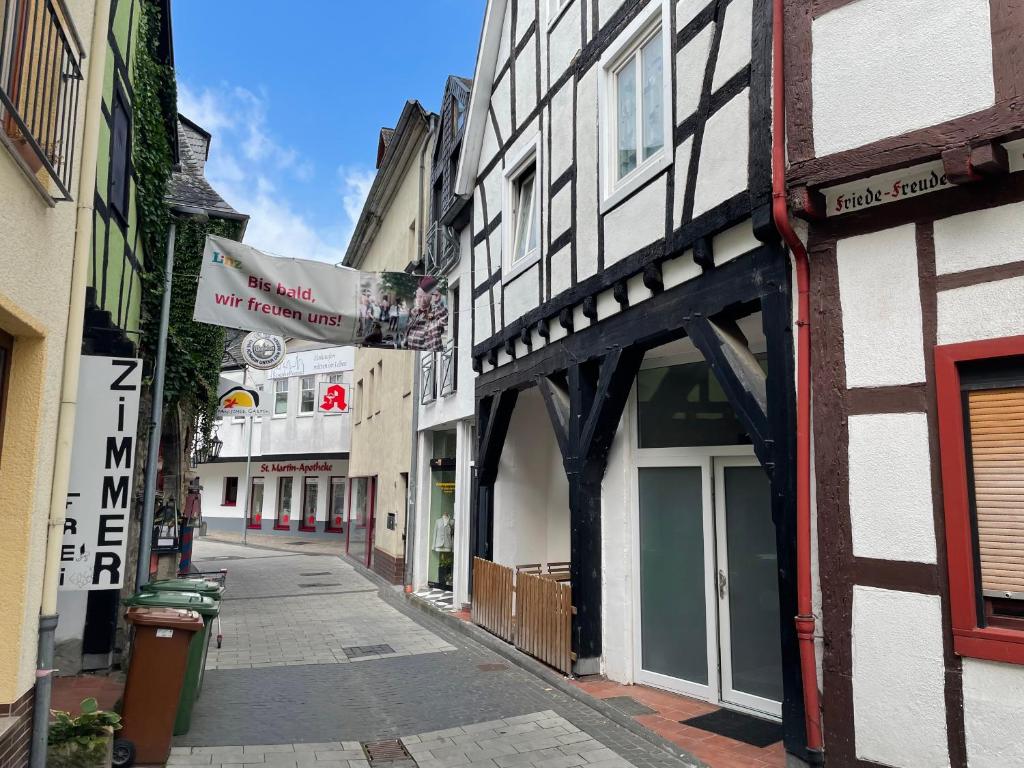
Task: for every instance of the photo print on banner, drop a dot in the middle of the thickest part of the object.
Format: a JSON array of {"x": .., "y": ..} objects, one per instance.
[{"x": 241, "y": 287}]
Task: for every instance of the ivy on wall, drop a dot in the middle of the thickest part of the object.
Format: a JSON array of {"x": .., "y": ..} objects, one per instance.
[{"x": 194, "y": 350}]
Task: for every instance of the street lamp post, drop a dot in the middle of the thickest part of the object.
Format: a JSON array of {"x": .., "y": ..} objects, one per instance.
[{"x": 156, "y": 421}]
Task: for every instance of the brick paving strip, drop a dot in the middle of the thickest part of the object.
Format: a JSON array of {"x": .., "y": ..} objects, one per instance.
[{"x": 535, "y": 740}]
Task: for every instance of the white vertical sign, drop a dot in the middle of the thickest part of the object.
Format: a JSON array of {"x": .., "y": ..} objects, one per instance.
[{"x": 100, "y": 485}]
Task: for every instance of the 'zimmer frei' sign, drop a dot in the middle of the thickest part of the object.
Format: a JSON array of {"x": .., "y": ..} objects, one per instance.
[
  {"x": 241, "y": 287},
  {"x": 100, "y": 483}
]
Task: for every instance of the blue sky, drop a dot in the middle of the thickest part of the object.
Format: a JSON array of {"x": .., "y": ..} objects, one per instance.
[{"x": 295, "y": 95}]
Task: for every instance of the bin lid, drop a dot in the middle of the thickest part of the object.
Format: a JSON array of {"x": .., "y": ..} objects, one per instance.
[
  {"x": 211, "y": 588},
  {"x": 202, "y": 604},
  {"x": 175, "y": 618}
]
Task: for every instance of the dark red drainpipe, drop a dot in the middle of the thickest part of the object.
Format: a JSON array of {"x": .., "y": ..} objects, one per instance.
[{"x": 780, "y": 212}]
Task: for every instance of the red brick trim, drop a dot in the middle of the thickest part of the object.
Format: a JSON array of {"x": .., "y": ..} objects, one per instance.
[
  {"x": 16, "y": 742},
  {"x": 387, "y": 565}
]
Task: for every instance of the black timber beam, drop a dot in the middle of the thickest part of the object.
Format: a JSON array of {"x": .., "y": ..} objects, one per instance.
[
  {"x": 725, "y": 349},
  {"x": 494, "y": 414}
]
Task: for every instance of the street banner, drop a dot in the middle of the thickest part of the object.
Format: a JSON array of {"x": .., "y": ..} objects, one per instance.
[
  {"x": 100, "y": 484},
  {"x": 241, "y": 287}
]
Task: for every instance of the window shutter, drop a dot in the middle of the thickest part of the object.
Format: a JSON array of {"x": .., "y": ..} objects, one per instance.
[{"x": 997, "y": 453}]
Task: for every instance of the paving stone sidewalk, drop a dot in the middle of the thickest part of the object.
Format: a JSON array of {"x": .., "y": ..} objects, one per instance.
[
  {"x": 535, "y": 740},
  {"x": 450, "y": 699}
]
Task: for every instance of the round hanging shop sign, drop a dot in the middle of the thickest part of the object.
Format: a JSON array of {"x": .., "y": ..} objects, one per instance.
[{"x": 263, "y": 350}]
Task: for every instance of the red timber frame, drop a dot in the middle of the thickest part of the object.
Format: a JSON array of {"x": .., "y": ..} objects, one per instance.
[{"x": 969, "y": 637}]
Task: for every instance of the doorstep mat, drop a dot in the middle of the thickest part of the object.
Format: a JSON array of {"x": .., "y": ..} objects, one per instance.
[{"x": 736, "y": 725}]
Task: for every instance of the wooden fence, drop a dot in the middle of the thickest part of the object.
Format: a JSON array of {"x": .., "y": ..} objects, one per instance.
[
  {"x": 544, "y": 620},
  {"x": 531, "y": 610},
  {"x": 492, "y": 598}
]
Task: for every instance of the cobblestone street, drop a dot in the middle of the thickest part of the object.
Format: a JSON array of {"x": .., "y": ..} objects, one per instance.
[{"x": 285, "y": 689}]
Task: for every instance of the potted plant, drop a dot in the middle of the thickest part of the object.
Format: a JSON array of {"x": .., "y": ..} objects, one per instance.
[{"x": 85, "y": 741}]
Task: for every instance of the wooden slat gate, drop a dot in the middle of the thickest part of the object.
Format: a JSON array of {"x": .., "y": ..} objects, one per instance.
[
  {"x": 492, "y": 598},
  {"x": 544, "y": 620}
]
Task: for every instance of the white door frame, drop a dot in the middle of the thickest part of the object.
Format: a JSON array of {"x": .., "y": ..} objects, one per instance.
[
  {"x": 682, "y": 457},
  {"x": 728, "y": 694}
]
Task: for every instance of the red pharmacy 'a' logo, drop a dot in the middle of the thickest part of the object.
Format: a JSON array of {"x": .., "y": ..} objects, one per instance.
[{"x": 334, "y": 398}]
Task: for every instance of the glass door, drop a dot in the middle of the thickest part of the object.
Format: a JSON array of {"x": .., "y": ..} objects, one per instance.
[
  {"x": 362, "y": 491},
  {"x": 284, "y": 504},
  {"x": 675, "y": 552},
  {"x": 336, "y": 505},
  {"x": 747, "y": 586},
  {"x": 310, "y": 489}
]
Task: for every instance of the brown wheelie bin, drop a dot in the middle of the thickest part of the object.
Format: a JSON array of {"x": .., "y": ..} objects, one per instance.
[{"x": 155, "y": 676}]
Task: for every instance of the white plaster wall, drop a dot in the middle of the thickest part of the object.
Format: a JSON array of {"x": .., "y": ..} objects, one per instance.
[
  {"x": 686, "y": 10},
  {"x": 561, "y": 270},
  {"x": 682, "y": 172},
  {"x": 561, "y": 211},
  {"x": 526, "y": 78},
  {"x": 899, "y": 708},
  {"x": 890, "y": 487},
  {"x": 586, "y": 176},
  {"x": 531, "y": 497},
  {"x": 881, "y": 68},
  {"x": 723, "y": 158},
  {"x": 605, "y": 9},
  {"x": 881, "y": 306},
  {"x": 564, "y": 40},
  {"x": 993, "y": 713},
  {"x": 523, "y": 293},
  {"x": 691, "y": 62},
  {"x": 637, "y": 222},
  {"x": 734, "y": 52},
  {"x": 980, "y": 239},
  {"x": 561, "y": 130},
  {"x": 617, "y": 555},
  {"x": 501, "y": 103},
  {"x": 985, "y": 311}
]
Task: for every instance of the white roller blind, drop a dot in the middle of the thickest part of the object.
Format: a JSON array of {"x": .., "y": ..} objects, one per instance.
[{"x": 997, "y": 449}]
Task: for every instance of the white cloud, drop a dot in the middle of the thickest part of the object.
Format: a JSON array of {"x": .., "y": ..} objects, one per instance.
[{"x": 255, "y": 173}]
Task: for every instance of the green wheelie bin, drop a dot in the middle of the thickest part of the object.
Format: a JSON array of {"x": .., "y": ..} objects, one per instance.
[
  {"x": 206, "y": 607},
  {"x": 201, "y": 586}
]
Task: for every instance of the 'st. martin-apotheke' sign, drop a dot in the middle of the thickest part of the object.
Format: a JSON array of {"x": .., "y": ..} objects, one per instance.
[{"x": 100, "y": 484}]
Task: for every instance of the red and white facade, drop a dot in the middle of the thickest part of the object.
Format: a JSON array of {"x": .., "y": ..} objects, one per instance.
[{"x": 904, "y": 158}]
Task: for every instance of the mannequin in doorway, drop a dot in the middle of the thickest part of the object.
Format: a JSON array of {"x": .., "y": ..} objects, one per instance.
[{"x": 444, "y": 537}]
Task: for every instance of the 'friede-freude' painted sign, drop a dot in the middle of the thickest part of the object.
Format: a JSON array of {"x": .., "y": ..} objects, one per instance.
[{"x": 100, "y": 483}]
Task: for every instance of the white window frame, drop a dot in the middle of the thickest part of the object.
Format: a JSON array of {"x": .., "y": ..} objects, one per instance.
[
  {"x": 639, "y": 32},
  {"x": 302, "y": 389},
  {"x": 274, "y": 414},
  {"x": 519, "y": 162}
]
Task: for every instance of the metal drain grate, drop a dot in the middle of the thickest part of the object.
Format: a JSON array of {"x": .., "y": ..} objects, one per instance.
[
  {"x": 492, "y": 667},
  {"x": 388, "y": 752},
  {"x": 316, "y": 573},
  {"x": 356, "y": 651},
  {"x": 313, "y": 584}
]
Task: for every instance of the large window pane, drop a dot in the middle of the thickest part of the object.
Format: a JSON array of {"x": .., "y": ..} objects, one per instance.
[
  {"x": 525, "y": 228},
  {"x": 625, "y": 88},
  {"x": 652, "y": 99},
  {"x": 753, "y": 584},
  {"x": 672, "y": 606},
  {"x": 682, "y": 406}
]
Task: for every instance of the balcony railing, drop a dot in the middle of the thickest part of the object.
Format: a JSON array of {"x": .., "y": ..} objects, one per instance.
[
  {"x": 448, "y": 368},
  {"x": 428, "y": 378},
  {"x": 40, "y": 79},
  {"x": 441, "y": 249}
]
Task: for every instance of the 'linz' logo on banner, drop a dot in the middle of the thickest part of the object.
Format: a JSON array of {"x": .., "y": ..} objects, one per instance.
[{"x": 100, "y": 485}]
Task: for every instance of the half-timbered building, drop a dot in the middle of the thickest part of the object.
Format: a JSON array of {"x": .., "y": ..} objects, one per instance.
[
  {"x": 903, "y": 136},
  {"x": 632, "y": 333}
]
